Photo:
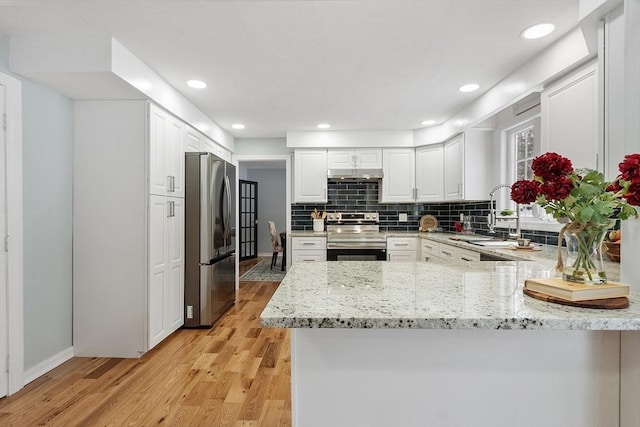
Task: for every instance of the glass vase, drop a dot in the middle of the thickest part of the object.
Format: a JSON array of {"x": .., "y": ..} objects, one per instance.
[{"x": 583, "y": 262}]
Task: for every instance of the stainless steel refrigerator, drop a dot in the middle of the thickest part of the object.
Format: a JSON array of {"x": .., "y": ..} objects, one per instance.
[{"x": 210, "y": 266}]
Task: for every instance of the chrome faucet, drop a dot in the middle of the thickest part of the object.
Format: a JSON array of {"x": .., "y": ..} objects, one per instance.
[{"x": 491, "y": 223}]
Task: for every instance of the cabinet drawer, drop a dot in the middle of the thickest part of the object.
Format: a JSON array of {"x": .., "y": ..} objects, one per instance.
[
  {"x": 311, "y": 255},
  {"x": 468, "y": 255},
  {"x": 310, "y": 243},
  {"x": 401, "y": 243},
  {"x": 430, "y": 247}
]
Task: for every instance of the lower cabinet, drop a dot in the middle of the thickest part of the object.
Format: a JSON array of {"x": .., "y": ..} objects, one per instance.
[
  {"x": 166, "y": 267},
  {"x": 402, "y": 249},
  {"x": 308, "y": 249},
  {"x": 431, "y": 250}
]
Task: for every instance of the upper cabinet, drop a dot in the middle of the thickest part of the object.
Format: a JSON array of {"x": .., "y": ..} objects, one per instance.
[
  {"x": 359, "y": 158},
  {"x": 570, "y": 118},
  {"x": 399, "y": 167},
  {"x": 166, "y": 167},
  {"x": 192, "y": 140},
  {"x": 467, "y": 166},
  {"x": 310, "y": 176},
  {"x": 430, "y": 173}
]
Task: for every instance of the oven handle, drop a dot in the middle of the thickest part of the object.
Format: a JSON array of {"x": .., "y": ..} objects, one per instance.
[{"x": 356, "y": 246}]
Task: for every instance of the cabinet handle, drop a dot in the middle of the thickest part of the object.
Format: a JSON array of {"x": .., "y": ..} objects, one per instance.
[
  {"x": 171, "y": 184},
  {"x": 401, "y": 244},
  {"x": 388, "y": 257},
  {"x": 464, "y": 259},
  {"x": 308, "y": 243},
  {"x": 447, "y": 253},
  {"x": 172, "y": 209}
]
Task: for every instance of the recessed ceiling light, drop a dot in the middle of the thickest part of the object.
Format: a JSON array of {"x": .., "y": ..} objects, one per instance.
[
  {"x": 197, "y": 84},
  {"x": 237, "y": 126},
  {"x": 324, "y": 126},
  {"x": 428, "y": 122},
  {"x": 469, "y": 88},
  {"x": 537, "y": 31}
]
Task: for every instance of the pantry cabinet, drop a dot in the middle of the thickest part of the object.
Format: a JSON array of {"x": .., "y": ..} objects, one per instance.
[
  {"x": 399, "y": 168},
  {"x": 128, "y": 241},
  {"x": 310, "y": 176},
  {"x": 166, "y": 266},
  {"x": 166, "y": 149},
  {"x": 359, "y": 158}
]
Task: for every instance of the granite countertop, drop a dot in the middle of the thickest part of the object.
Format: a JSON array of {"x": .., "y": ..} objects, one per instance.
[
  {"x": 465, "y": 295},
  {"x": 303, "y": 233}
]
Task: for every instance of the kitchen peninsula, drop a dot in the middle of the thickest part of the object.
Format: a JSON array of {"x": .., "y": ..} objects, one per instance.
[{"x": 457, "y": 344}]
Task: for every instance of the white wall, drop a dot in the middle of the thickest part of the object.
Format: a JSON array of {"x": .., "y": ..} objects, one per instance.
[
  {"x": 271, "y": 203},
  {"x": 48, "y": 183}
]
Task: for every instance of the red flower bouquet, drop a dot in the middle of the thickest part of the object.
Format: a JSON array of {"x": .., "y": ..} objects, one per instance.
[{"x": 587, "y": 203}]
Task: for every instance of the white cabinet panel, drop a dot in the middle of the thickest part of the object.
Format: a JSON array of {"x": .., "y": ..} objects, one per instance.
[
  {"x": 192, "y": 140},
  {"x": 398, "y": 184},
  {"x": 453, "y": 168},
  {"x": 310, "y": 184},
  {"x": 402, "y": 248},
  {"x": 359, "y": 158},
  {"x": 570, "y": 118},
  {"x": 174, "y": 302},
  {"x": 308, "y": 249},
  {"x": 166, "y": 151},
  {"x": 429, "y": 249},
  {"x": 430, "y": 173}
]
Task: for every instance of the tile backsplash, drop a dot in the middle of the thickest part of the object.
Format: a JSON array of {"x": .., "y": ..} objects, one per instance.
[{"x": 360, "y": 196}]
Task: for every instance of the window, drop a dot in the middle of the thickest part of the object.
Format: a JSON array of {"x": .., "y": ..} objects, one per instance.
[{"x": 523, "y": 148}]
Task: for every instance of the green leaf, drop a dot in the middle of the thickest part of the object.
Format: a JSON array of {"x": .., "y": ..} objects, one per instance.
[{"x": 586, "y": 213}]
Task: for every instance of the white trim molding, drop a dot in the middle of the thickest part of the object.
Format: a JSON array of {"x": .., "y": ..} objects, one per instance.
[
  {"x": 46, "y": 365},
  {"x": 14, "y": 231}
]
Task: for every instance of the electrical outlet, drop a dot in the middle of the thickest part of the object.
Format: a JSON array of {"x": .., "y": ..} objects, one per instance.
[
  {"x": 402, "y": 217},
  {"x": 189, "y": 312}
]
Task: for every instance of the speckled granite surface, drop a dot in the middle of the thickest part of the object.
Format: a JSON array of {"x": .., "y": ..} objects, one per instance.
[
  {"x": 471, "y": 295},
  {"x": 297, "y": 233}
]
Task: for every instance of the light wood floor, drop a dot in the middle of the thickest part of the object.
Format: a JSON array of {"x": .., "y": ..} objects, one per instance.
[{"x": 236, "y": 374}]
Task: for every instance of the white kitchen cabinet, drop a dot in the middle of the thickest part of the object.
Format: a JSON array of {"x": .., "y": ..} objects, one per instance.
[
  {"x": 398, "y": 183},
  {"x": 402, "y": 249},
  {"x": 192, "y": 140},
  {"x": 310, "y": 176},
  {"x": 166, "y": 267},
  {"x": 570, "y": 122},
  {"x": 308, "y": 249},
  {"x": 128, "y": 254},
  {"x": 166, "y": 150},
  {"x": 455, "y": 253},
  {"x": 359, "y": 158},
  {"x": 467, "y": 166},
  {"x": 430, "y": 173},
  {"x": 429, "y": 250}
]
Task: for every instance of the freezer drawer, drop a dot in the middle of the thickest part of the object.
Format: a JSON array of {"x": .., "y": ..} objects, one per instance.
[{"x": 217, "y": 290}]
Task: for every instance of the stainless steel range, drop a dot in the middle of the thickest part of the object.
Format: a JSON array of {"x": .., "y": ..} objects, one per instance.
[{"x": 355, "y": 236}]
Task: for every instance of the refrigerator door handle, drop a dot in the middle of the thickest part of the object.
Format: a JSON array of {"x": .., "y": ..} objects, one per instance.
[{"x": 227, "y": 236}]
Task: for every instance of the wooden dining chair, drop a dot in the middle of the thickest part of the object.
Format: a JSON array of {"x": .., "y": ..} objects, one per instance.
[{"x": 275, "y": 243}]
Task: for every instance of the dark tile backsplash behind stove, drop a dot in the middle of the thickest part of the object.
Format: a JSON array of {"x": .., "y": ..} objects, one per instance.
[{"x": 362, "y": 196}]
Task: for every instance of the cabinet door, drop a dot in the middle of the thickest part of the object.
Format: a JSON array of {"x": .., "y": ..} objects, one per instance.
[
  {"x": 368, "y": 158},
  {"x": 192, "y": 140},
  {"x": 454, "y": 169},
  {"x": 303, "y": 255},
  {"x": 159, "y": 123},
  {"x": 430, "y": 173},
  {"x": 398, "y": 183},
  {"x": 340, "y": 159},
  {"x": 158, "y": 272},
  {"x": 401, "y": 256},
  {"x": 174, "y": 304},
  {"x": 174, "y": 156},
  {"x": 570, "y": 118},
  {"x": 310, "y": 184}
]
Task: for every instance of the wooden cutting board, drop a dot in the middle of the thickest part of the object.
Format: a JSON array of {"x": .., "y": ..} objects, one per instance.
[{"x": 608, "y": 304}]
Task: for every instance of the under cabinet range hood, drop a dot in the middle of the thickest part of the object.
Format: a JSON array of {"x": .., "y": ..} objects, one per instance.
[{"x": 355, "y": 174}]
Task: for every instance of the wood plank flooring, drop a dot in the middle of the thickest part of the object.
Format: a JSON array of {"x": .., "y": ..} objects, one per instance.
[{"x": 236, "y": 374}]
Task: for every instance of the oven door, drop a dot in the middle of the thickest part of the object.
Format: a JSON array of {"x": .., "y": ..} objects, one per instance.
[{"x": 355, "y": 253}]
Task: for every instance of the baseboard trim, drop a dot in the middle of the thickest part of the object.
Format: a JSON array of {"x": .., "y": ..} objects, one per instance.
[{"x": 46, "y": 365}]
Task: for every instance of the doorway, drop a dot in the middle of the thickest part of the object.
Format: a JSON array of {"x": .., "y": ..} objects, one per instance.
[{"x": 248, "y": 212}]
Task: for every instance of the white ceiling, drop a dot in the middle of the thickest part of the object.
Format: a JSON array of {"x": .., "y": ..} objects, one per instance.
[{"x": 289, "y": 65}]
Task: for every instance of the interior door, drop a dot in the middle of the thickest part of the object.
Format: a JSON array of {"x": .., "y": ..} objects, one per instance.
[{"x": 248, "y": 209}]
